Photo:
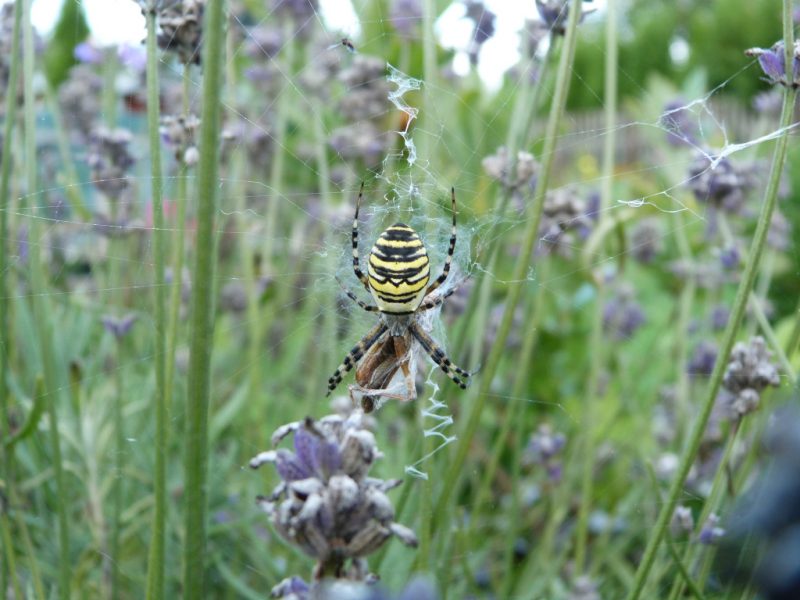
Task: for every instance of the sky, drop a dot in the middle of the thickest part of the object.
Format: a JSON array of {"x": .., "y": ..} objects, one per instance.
[{"x": 120, "y": 21}]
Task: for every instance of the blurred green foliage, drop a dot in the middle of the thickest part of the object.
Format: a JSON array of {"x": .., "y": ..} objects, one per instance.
[
  {"x": 716, "y": 35},
  {"x": 70, "y": 31}
]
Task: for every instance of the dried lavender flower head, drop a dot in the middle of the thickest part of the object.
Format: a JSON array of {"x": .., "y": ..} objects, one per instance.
[
  {"x": 110, "y": 159},
  {"x": 565, "y": 219},
  {"x": 773, "y": 64},
  {"x": 749, "y": 371},
  {"x": 325, "y": 504},
  {"x": 181, "y": 29},
  {"x": 180, "y": 133},
  {"x": 723, "y": 186}
]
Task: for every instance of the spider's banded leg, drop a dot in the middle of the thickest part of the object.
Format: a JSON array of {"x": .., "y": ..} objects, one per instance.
[
  {"x": 361, "y": 303},
  {"x": 439, "y": 357},
  {"x": 355, "y": 355},
  {"x": 430, "y": 303},
  {"x": 356, "y": 268},
  {"x": 449, "y": 259}
]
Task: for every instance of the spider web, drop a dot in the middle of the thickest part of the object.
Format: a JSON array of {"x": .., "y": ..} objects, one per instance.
[{"x": 403, "y": 184}]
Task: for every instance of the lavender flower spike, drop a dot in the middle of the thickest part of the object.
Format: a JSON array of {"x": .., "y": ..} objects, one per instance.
[
  {"x": 773, "y": 63},
  {"x": 325, "y": 504}
]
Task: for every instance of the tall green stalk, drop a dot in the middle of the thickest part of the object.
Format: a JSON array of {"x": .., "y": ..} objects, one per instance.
[
  {"x": 737, "y": 312},
  {"x": 202, "y": 318},
  {"x": 5, "y": 206},
  {"x": 521, "y": 267},
  {"x": 155, "y": 561},
  {"x": 41, "y": 310},
  {"x": 596, "y": 353},
  {"x": 7, "y": 453},
  {"x": 178, "y": 250}
]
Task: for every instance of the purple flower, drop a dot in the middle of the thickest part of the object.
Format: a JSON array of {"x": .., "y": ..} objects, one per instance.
[
  {"x": 405, "y": 16},
  {"x": 773, "y": 64},
  {"x": 681, "y": 130},
  {"x": 119, "y": 327},
  {"x": 729, "y": 257},
  {"x": 703, "y": 359},
  {"x": 622, "y": 314},
  {"x": 133, "y": 57},
  {"x": 554, "y": 13},
  {"x": 88, "y": 54},
  {"x": 711, "y": 532}
]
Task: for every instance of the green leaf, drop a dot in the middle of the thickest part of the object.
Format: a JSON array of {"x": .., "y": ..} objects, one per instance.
[{"x": 71, "y": 29}]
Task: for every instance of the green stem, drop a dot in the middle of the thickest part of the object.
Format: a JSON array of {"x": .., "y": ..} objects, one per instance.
[
  {"x": 521, "y": 266},
  {"x": 737, "y": 312},
  {"x": 596, "y": 352},
  {"x": 5, "y": 206},
  {"x": 41, "y": 310},
  {"x": 202, "y": 318},
  {"x": 117, "y": 481},
  {"x": 156, "y": 557},
  {"x": 176, "y": 287}
]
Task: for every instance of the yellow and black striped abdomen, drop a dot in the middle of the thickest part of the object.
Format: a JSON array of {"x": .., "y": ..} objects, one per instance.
[{"x": 398, "y": 270}]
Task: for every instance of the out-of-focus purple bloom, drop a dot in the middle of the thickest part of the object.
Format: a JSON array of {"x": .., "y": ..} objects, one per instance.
[
  {"x": 682, "y": 522},
  {"x": 544, "y": 448},
  {"x": 719, "y": 317},
  {"x": 554, "y": 13},
  {"x": 133, "y": 57},
  {"x": 779, "y": 234},
  {"x": 711, "y": 532},
  {"x": 584, "y": 588},
  {"x": 119, "y": 326},
  {"x": 622, "y": 314},
  {"x": 88, "y": 53},
  {"x": 291, "y": 588},
  {"x": 773, "y": 63},
  {"x": 483, "y": 20},
  {"x": 729, "y": 258},
  {"x": 677, "y": 120},
  {"x": 722, "y": 185},
  {"x": 768, "y": 103},
  {"x": 646, "y": 240},
  {"x": 565, "y": 212},
  {"x": 703, "y": 359},
  {"x": 405, "y": 16}
]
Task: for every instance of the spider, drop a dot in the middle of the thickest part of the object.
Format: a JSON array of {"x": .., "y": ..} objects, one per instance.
[{"x": 397, "y": 275}]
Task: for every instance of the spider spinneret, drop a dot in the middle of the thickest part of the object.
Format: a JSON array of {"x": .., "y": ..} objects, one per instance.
[{"x": 398, "y": 273}]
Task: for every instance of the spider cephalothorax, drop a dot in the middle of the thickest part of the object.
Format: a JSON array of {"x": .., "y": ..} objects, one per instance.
[{"x": 398, "y": 274}]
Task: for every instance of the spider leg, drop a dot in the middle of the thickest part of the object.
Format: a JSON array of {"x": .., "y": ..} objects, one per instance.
[
  {"x": 356, "y": 268},
  {"x": 449, "y": 259},
  {"x": 430, "y": 303},
  {"x": 361, "y": 303},
  {"x": 459, "y": 376},
  {"x": 355, "y": 355}
]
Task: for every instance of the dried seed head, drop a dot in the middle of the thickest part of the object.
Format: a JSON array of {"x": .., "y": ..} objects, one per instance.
[{"x": 326, "y": 504}]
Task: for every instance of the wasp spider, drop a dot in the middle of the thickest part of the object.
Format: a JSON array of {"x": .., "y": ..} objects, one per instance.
[{"x": 397, "y": 277}]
